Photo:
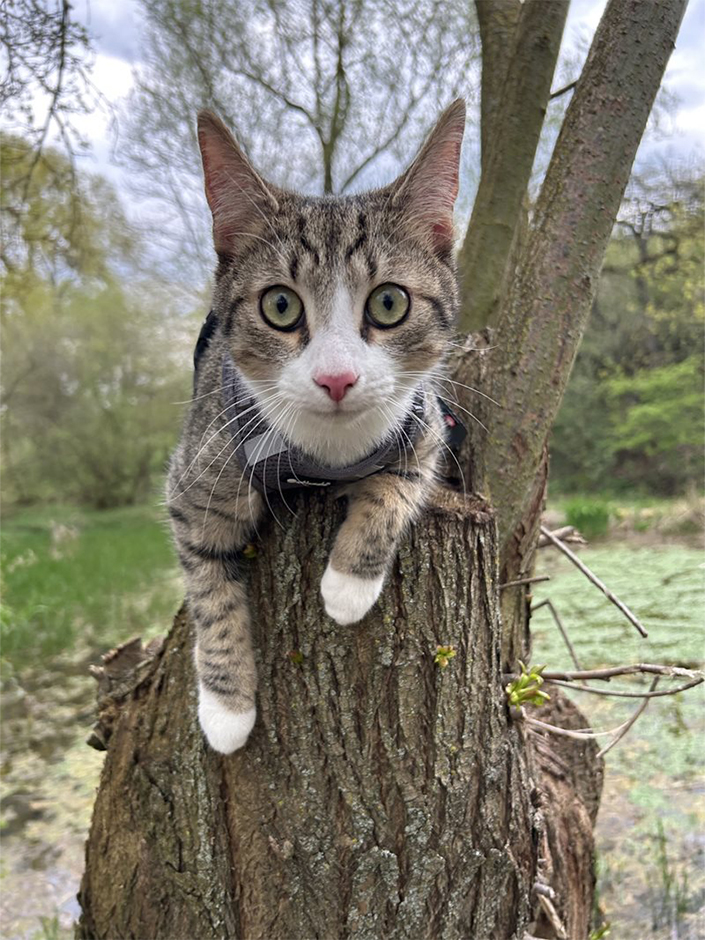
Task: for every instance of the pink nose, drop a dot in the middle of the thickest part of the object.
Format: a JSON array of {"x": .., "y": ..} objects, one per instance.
[{"x": 336, "y": 385}]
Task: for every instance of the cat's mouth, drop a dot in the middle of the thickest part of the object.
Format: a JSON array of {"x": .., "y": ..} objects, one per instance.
[{"x": 338, "y": 413}]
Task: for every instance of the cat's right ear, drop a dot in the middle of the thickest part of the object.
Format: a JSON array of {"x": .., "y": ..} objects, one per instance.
[{"x": 239, "y": 199}]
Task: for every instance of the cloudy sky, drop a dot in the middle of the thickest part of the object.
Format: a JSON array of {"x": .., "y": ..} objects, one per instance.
[{"x": 116, "y": 30}]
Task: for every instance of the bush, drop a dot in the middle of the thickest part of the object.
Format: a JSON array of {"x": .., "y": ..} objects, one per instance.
[{"x": 591, "y": 517}]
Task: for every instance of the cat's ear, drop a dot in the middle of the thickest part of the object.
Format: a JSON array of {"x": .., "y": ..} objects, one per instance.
[
  {"x": 239, "y": 199},
  {"x": 428, "y": 189}
]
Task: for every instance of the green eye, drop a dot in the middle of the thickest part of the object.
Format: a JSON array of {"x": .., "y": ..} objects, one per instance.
[
  {"x": 281, "y": 307},
  {"x": 387, "y": 305}
]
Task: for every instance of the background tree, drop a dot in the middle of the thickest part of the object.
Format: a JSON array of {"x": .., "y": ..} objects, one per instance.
[
  {"x": 381, "y": 794},
  {"x": 320, "y": 94},
  {"x": 46, "y": 56},
  {"x": 95, "y": 348},
  {"x": 632, "y": 412}
]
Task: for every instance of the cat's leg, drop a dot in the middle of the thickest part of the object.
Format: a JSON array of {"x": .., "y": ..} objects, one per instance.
[
  {"x": 379, "y": 510},
  {"x": 210, "y": 551}
]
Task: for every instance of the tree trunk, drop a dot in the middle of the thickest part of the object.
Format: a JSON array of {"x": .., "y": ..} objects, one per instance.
[{"x": 380, "y": 795}]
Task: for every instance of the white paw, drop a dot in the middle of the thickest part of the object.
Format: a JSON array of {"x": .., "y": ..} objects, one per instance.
[
  {"x": 346, "y": 597},
  {"x": 226, "y": 731}
]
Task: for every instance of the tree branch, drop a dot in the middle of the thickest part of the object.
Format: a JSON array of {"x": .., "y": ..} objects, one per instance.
[
  {"x": 55, "y": 96},
  {"x": 609, "y": 672},
  {"x": 547, "y": 304},
  {"x": 562, "y": 91},
  {"x": 631, "y": 617},
  {"x": 620, "y": 693},
  {"x": 498, "y": 21},
  {"x": 508, "y": 155}
]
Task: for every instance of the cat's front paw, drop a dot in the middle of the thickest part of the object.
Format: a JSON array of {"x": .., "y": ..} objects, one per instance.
[
  {"x": 346, "y": 597},
  {"x": 225, "y": 730}
]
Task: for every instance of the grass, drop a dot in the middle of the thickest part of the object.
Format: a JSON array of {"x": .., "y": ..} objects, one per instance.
[
  {"x": 77, "y": 582},
  {"x": 650, "y": 852},
  {"x": 73, "y": 575}
]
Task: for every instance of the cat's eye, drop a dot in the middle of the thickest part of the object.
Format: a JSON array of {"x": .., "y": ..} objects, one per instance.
[
  {"x": 387, "y": 305},
  {"x": 281, "y": 307}
]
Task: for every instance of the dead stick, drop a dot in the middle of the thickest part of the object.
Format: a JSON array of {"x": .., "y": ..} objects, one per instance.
[
  {"x": 552, "y": 914},
  {"x": 567, "y": 533},
  {"x": 595, "y": 580},
  {"x": 618, "y": 693},
  {"x": 563, "y": 632},
  {"x": 584, "y": 734},
  {"x": 618, "y": 737},
  {"x": 610, "y": 672},
  {"x": 535, "y": 580}
]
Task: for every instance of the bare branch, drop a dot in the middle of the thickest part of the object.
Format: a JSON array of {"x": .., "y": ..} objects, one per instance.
[
  {"x": 561, "y": 628},
  {"x": 535, "y": 580},
  {"x": 632, "y": 618},
  {"x": 618, "y": 737},
  {"x": 562, "y": 91},
  {"x": 620, "y": 693},
  {"x": 582, "y": 735},
  {"x": 55, "y": 97},
  {"x": 609, "y": 672},
  {"x": 567, "y": 533}
]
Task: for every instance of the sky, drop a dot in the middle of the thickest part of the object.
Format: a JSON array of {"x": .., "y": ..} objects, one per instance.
[{"x": 115, "y": 28}]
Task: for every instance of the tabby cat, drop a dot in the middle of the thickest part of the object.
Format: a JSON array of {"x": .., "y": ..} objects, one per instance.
[{"x": 314, "y": 367}]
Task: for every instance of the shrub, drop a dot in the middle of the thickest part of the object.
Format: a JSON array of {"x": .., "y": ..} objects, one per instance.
[{"x": 590, "y": 517}]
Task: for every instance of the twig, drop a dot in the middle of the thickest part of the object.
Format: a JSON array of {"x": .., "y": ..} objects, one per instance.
[
  {"x": 546, "y": 890},
  {"x": 631, "y": 721},
  {"x": 535, "y": 580},
  {"x": 553, "y": 917},
  {"x": 582, "y": 734},
  {"x": 611, "y": 671},
  {"x": 559, "y": 624},
  {"x": 567, "y": 533},
  {"x": 622, "y": 694},
  {"x": 585, "y": 735},
  {"x": 55, "y": 96},
  {"x": 595, "y": 580},
  {"x": 562, "y": 91}
]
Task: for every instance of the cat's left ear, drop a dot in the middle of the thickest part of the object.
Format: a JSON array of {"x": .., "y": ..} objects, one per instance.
[{"x": 428, "y": 189}]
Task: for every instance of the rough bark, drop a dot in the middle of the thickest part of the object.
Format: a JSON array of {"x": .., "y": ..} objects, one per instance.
[
  {"x": 545, "y": 308},
  {"x": 516, "y": 83},
  {"x": 379, "y": 796},
  {"x": 497, "y": 20},
  {"x": 570, "y": 786}
]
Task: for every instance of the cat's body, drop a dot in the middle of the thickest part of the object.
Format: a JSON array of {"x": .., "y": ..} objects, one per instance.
[{"x": 331, "y": 314}]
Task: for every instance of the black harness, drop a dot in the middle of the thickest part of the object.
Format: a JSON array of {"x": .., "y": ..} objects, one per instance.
[{"x": 273, "y": 465}]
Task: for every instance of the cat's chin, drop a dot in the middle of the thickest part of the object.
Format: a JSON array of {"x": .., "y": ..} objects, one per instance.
[{"x": 342, "y": 437}]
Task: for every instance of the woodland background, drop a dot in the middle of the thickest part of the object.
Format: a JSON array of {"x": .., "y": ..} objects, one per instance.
[{"x": 104, "y": 280}]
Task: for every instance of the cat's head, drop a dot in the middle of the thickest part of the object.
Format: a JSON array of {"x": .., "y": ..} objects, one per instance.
[{"x": 334, "y": 308}]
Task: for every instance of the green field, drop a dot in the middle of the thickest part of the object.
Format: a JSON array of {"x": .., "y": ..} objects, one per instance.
[
  {"x": 80, "y": 578},
  {"x": 75, "y": 583},
  {"x": 652, "y": 816}
]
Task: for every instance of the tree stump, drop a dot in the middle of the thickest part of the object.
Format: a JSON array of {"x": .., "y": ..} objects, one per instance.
[{"x": 380, "y": 795}]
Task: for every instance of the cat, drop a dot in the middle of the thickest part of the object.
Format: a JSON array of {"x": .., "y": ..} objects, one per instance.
[{"x": 329, "y": 316}]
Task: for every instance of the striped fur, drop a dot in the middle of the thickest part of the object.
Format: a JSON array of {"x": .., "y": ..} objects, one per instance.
[{"x": 333, "y": 252}]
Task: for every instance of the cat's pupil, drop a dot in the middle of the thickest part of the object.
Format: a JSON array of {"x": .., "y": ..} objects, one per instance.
[
  {"x": 388, "y": 301},
  {"x": 282, "y": 303}
]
